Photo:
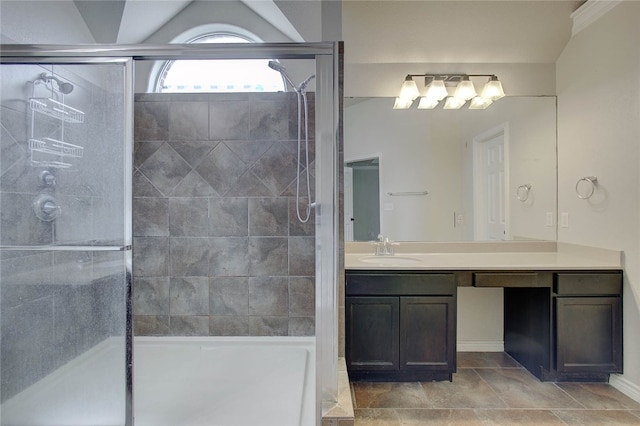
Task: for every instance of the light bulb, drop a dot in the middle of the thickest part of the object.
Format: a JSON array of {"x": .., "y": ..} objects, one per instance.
[
  {"x": 436, "y": 90},
  {"x": 409, "y": 89},
  {"x": 493, "y": 89},
  {"x": 465, "y": 89}
]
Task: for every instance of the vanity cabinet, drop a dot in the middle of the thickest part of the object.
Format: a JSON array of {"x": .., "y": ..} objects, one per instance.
[
  {"x": 400, "y": 326},
  {"x": 588, "y": 323}
]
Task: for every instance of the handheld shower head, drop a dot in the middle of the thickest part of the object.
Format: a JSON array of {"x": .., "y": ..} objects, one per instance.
[
  {"x": 282, "y": 70},
  {"x": 276, "y": 66},
  {"x": 63, "y": 87}
]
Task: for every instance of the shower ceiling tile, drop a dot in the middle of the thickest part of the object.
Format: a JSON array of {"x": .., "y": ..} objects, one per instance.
[
  {"x": 221, "y": 168},
  {"x": 165, "y": 169}
]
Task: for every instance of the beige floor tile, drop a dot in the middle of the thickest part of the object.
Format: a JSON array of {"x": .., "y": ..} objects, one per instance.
[
  {"x": 467, "y": 390},
  {"x": 518, "y": 417},
  {"x": 599, "y": 396},
  {"x": 520, "y": 389},
  {"x": 389, "y": 395},
  {"x": 438, "y": 417},
  {"x": 597, "y": 417},
  {"x": 636, "y": 413},
  {"x": 376, "y": 417},
  {"x": 486, "y": 360}
]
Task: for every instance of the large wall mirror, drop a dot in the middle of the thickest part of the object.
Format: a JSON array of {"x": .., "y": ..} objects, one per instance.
[{"x": 451, "y": 175}]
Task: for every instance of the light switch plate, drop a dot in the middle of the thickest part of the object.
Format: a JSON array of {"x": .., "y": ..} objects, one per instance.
[
  {"x": 549, "y": 219},
  {"x": 564, "y": 220}
]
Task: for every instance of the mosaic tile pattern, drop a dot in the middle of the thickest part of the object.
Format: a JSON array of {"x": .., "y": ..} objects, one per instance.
[{"x": 218, "y": 249}]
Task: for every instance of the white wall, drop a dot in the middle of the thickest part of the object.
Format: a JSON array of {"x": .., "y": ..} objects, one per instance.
[{"x": 599, "y": 134}]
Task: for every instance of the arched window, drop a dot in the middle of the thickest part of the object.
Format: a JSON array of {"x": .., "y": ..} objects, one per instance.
[{"x": 214, "y": 76}]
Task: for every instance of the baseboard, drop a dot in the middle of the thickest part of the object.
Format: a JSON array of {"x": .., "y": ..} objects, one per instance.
[
  {"x": 480, "y": 346},
  {"x": 625, "y": 386}
]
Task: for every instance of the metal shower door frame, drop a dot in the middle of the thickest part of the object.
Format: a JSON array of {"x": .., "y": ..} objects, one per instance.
[{"x": 327, "y": 57}]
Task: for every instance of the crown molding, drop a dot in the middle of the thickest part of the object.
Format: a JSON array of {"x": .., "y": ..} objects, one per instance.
[{"x": 590, "y": 12}]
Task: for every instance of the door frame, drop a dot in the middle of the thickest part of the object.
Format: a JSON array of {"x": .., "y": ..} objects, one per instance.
[
  {"x": 479, "y": 230},
  {"x": 380, "y": 180}
]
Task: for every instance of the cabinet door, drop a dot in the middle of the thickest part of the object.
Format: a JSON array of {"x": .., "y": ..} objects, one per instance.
[
  {"x": 428, "y": 333},
  {"x": 372, "y": 333},
  {"x": 589, "y": 334}
]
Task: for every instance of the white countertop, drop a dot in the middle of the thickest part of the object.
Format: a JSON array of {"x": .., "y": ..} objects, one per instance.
[{"x": 503, "y": 255}]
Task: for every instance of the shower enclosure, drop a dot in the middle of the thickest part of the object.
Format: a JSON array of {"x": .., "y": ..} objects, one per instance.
[{"x": 66, "y": 161}]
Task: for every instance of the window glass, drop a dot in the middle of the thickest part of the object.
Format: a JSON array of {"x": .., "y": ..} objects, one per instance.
[{"x": 210, "y": 76}]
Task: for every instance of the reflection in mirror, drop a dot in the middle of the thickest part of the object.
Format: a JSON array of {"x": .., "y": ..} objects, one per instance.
[
  {"x": 487, "y": 174},
  {"x": 362, "y": 200}
]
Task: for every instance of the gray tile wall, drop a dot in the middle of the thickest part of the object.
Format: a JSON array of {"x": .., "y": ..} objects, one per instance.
[{"x": 218, "y": 249}]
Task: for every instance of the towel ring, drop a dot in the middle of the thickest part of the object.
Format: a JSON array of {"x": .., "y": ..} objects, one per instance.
[
  {"x": 522, "y": 193},
  {"x": 593, "y": 180}
]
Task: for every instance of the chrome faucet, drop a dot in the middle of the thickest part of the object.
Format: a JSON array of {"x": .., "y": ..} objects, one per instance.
[{"x": 384, "y": 247}]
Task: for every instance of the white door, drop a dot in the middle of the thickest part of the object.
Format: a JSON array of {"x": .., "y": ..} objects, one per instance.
[
  {"x": 493, "y": 181},
  {"x": 348, "y": 204},
  {"x": 490, "y": 183}
]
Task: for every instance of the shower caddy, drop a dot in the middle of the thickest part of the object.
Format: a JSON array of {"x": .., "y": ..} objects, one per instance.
[{"x": 46, "y": 151}]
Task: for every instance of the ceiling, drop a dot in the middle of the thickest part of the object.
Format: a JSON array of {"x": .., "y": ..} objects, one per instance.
[{"x": 417, "y": 31}]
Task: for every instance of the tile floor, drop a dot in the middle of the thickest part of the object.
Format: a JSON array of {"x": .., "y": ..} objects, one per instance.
[{"x": 491, "y": 389}]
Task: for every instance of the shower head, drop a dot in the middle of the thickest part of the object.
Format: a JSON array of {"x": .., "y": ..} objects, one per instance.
[
  {"x": 282, "y": 70},
  {"x": 276, "y": 66},
  {"x": 63, "y": 87}
]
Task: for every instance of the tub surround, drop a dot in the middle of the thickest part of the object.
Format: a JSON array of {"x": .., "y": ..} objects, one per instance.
[{"x": 502, "y": 255}]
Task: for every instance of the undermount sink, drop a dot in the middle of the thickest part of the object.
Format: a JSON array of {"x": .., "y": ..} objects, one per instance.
[{"x": 390, "y": 260}]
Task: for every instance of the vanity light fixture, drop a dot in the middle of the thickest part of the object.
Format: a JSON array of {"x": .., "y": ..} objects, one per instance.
[{"x": 456, "y": 88}]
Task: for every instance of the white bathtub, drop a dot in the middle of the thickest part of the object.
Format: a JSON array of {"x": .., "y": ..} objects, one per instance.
[
  {"x": 178, "y": 381},
  {"x": 210, "y": 381}
]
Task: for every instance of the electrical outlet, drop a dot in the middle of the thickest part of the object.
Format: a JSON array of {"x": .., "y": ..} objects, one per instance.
[
  {"x": 549, "y": 219},
  {"x": 564, "y": 220},
  {"x": 459, "y": 219}
]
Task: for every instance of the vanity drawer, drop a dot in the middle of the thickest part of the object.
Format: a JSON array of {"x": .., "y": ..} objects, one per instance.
[
  {"x": 385, "y": 284},
  {"x": 597, "y": 283},
  {"x": 512, "y": 279}
]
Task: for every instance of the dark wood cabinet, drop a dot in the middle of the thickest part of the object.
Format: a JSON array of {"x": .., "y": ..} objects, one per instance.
[
  {"x": 588, "y": 324},
  {"x": 560, "y": 325},
  {"x": 400, "y": 326}
]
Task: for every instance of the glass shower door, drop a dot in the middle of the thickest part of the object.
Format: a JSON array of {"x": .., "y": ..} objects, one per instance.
[{"x": 65, "y": 242}]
